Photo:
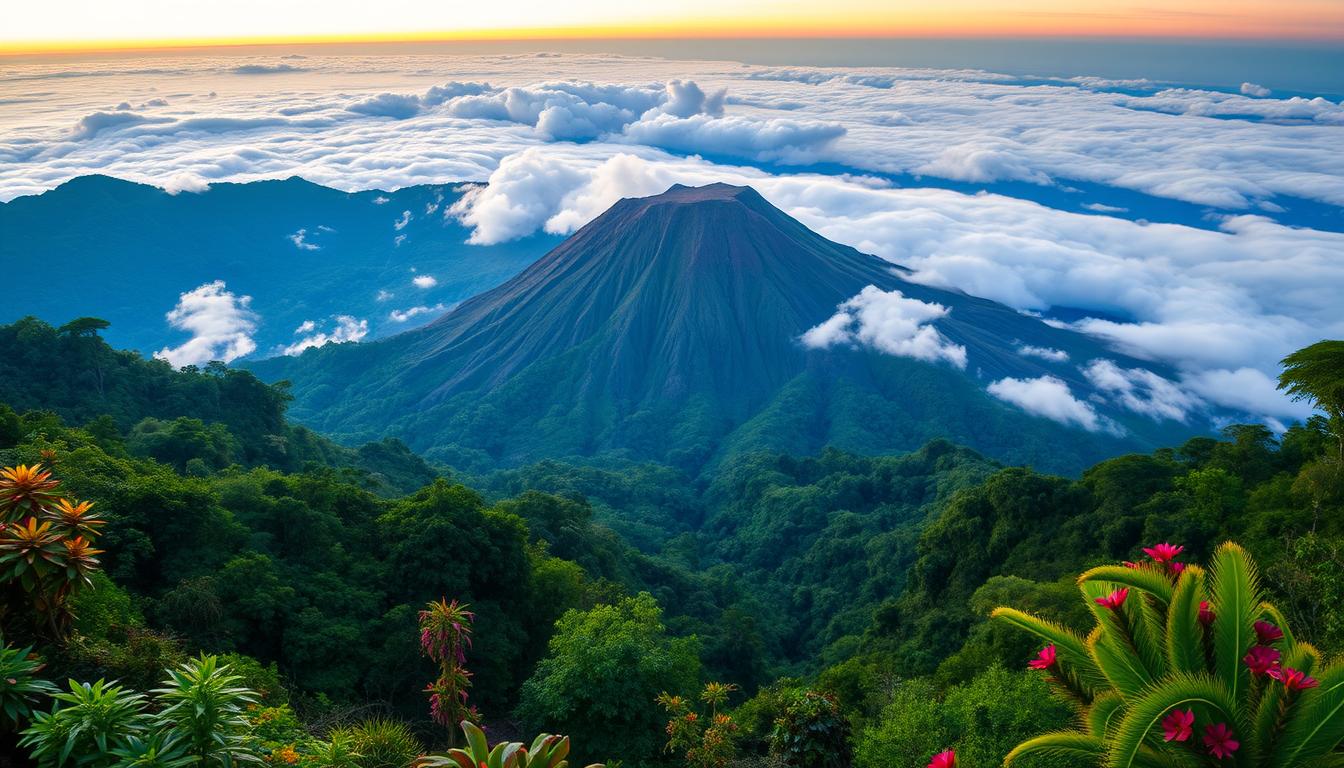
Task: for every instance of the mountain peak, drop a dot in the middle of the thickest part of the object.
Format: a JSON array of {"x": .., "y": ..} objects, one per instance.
[{"x": 682, "y": 194}]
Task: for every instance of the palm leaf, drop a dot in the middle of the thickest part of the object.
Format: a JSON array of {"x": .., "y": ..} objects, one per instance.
[
  {"x": 1185, "y": 635},
  {"x": 1270, "y": 712},
  {"x": 1077, "y": 747},
  {"x": 1102, "y": 712},
  {"x": 1113, "y": 646},
  {"x": 1143, "y": 714},
  {"x": 1146, "y": 578},
  {"x": 1074, "y": 657},
  {"x": 1316, "y": 727},
  {"x": 1235, "y": 591}
]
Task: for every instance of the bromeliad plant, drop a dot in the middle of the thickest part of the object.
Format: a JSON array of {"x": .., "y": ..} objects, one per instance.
[
  {"x": 46, "y": 545},
  {"x": 547, "y": 751},
  {"x": 1187, "y": 668}
]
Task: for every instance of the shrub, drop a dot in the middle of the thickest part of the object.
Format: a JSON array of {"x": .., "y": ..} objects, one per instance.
[
  {"x": 383, "y": 743},
  {"x": 811, "y": 732},
  {"x": 86, "y": 723},
  {"x": 1186, "y": 667},
  {"x": 203, "y": 704}
]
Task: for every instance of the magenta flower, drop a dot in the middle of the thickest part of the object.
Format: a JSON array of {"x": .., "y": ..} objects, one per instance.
[
  {"x": 1114, "y": 600},
  {"x": 1294, "y": 680},
  {"x": 1262, "y": 660},
  {"x": 1163, "y": 553},
  {"x": 1175, "y": 568},
  {"x": 1218, "y": 740},
  {"x": 946, "y": 759},
  {"x": 1045, "y": 659},
  {"x": 1177, "y": 726},
  {"x": 1206, "y": 615},
  {"x": 1266, "y": 633}
]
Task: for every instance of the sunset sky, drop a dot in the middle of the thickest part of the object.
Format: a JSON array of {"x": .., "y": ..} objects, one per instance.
[{"x": 81, "y": 24}]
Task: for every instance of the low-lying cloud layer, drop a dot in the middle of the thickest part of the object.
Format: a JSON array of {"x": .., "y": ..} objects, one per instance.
[{"x": 1070, "y": 166}]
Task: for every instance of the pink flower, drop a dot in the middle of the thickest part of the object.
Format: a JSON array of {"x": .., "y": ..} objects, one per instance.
[
  {"x": 1177, "y": 725},
  {"x": 1175, "y": 568},
  {"x": 1294, "y": 680},
  {"x": 1218, "y": 740},
  {"x": 1163, "y": 553},
  {"x": 1262, "y": 660},
  {"x": 1045, "y": 659},
  {"x": 1115, "y": 599},
  {"x": 1267, "y": 633},
  {"x": 946, "y": 759},
  {"x": 1206, "y": 616}
]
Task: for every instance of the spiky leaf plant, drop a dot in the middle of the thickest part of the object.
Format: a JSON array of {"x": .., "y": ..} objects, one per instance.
[{"x": 1187, "y": 667}]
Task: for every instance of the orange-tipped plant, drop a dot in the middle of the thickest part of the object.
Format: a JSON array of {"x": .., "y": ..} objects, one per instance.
[{"x": 46, "y": 544}]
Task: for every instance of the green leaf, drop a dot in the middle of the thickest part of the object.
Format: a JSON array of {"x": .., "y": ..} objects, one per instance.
[
  {"x": 1102, "y": 712},
  {"x": 1145, "y": 578},
  {"x": 1144, "y": 714},
  {"x": 1074, "y": 656},
  {"x": 1236, "y": 599},
  {"x": 1316, "y": 726},
  {"x": 1077, "y": 747},
  {"x": 1185, "y": 635}
]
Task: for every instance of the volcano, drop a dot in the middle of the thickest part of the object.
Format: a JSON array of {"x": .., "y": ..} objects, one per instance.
[{"x": 704, "y": 322}]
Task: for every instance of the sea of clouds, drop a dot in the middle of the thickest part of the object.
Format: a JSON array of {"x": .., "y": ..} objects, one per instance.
[{"x": 1015, "y": 189}]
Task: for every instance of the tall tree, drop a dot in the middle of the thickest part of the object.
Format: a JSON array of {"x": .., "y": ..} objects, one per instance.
[{"x": 1316, "y": 374}]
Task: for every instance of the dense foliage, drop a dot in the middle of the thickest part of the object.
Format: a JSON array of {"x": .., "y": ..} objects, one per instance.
[{"x": 846, "y": 598}]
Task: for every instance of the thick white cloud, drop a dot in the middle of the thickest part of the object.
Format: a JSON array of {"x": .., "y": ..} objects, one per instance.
[
  {"x": 1258, "y": 91},
  {"x": 891, "y": 323},
  {"x": 425, "y": 281},
  {"x": 344, "y": 328},
  {"x": 1051, "y": 398},
  {"x": 221, "y": 325}
]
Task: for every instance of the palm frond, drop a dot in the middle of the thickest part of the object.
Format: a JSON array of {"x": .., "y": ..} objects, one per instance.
[
  {"x": 1144, "y": 713},
  {"x": 1236, "y": 599}
]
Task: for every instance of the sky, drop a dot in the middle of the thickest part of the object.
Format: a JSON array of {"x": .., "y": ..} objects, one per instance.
[
  {"x": 1198, "y": 228},
  {"x": 79, "y": 24}
]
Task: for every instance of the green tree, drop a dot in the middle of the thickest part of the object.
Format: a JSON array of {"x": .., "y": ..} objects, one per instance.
[
  {"x": 602, "y": 676},
  {"x": 1316, "y": 374}
]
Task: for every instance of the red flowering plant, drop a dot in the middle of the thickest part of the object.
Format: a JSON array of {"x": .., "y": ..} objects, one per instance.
[
  {"x": 445, "y": 636},
  {"x": 546, "y": 751},
  {"x": 1186, "y": 667},
  {"x": 46, "y": 546}
]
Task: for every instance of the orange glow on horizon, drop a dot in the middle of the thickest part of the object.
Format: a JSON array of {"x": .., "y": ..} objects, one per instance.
[{"x": 1305, "y": 21}]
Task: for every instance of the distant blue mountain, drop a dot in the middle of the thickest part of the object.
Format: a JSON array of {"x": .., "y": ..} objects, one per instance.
[
  {"x": 125, "y": 252},
  {"x": 669, "y": 329}
]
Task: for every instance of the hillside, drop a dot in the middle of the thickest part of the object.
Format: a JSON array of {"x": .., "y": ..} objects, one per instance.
[{"x": 302, "y": 252}]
